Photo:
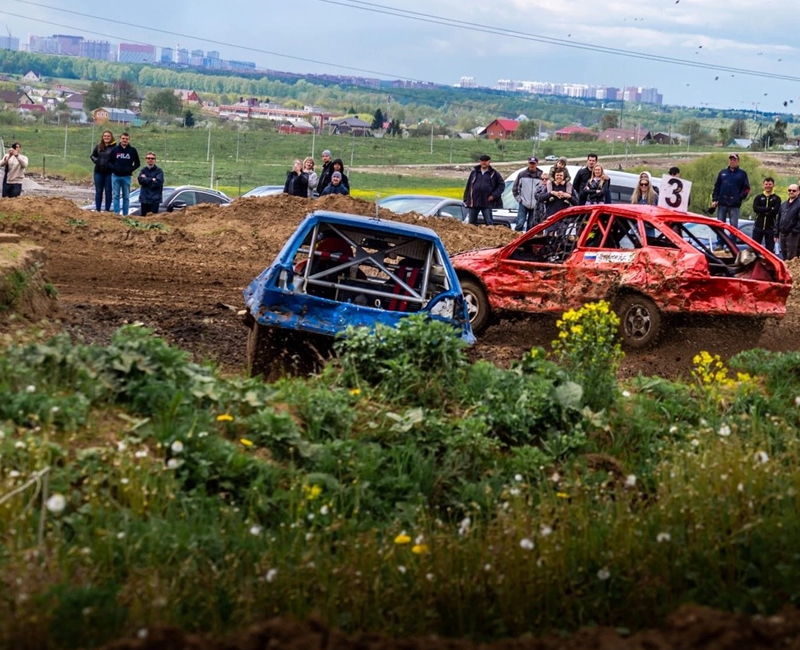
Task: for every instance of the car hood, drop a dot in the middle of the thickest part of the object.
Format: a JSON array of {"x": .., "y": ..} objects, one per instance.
[{"x": 476, "y": 255}]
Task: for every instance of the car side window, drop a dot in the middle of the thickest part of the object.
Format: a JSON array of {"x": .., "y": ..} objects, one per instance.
[
  {"x": 656, "y": 238},
  {"x": 187, "y": 196},
  {"x": 454, "y": 211},
  {"x": 624, "y": 233},
  {"x": 205, "y": 197}
]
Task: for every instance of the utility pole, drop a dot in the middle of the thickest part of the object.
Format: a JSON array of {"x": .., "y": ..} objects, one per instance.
[
  {"x": 66, "y": 133},
  {"x": 208, "y": 150},
  {"x": 431, "y": 137}
]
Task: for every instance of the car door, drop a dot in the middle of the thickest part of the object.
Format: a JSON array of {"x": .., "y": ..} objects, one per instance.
[
  {"x": 455, "y": 210},
  {"x": 538, "y": 273},
  {"x": 208, "y": 197},
  {"x": 182, "y": 199}
]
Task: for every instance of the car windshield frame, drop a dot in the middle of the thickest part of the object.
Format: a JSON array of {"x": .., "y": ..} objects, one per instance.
[{"x": 401, "y": 205}]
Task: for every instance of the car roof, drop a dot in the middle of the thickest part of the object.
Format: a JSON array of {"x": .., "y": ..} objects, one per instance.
[
  {"x": 198, "y": 187},
  {"x": 386, "y": 225},
  {"x": 417, "y": 196},
  {"x": 653, "y": 212}
]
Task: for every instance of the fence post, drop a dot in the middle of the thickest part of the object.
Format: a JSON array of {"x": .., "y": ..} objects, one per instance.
[{"x": 44, "y": 166}]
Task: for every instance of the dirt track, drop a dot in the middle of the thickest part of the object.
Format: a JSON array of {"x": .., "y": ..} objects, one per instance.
[{"x": 186, "y": 282}]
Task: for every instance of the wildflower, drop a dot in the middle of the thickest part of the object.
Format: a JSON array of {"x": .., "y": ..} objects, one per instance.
[
  {"x": 19, "y": 444},
  {"x": 2, "y": 434},
  {"x": 429, "y": 577},
  {"x": 202, "y": 434},
  {"x": 562, "y": 495},
  {"x": 487, "y": 567},
  {"x": 141, "y": 453},
  {"x": 271, "y": 575},
  {"x": 246, "y": 442},
  {"x": 556, "y": 477},
  {"x": 797, "y": 401},
  {"x": 310, "y": 516},
  {"x": 673, "y": 428},
  {"x": 518, "y": 478},
  {"x": 630, "y": 480},
  {"x": 401, "y": 568},
  {"x": 526, "y": 544},
  {"x": 695, "y": 442},
  {"x": 309, "y": 536},
  {"x": 30, "y": 389},
  {"x": 740, "y": 487},
  {"x": 124, "y": 481},
  {"x": 514, "y": 492},
  {"x": 224, "y": 417},
  {"x": 355, "y": 392},
  {"x": 419, "y": 539},
  {"x": 663, "y": 537},
  {"x": 463, "y": 527},
  {"x": 121, "y": 535},
  {"x": 761, "y": 457},
  {"x": 13, "y": 474},
  {"x": 419, "y": 549},
  {"x": 603, "y": 574},
  {"x": 724, "y": 431},
  {"x": 56, "y": 504},
  {"x": 402, "y": 538},
  {"x": 255, "y": 529},
  {"x": 312, "y": 492},
  {"x": 545, "y": 530},
  {"x": 177, "y": 447},
  {"x": 323, "y": 510},
  {"x": 626, "y": 393},
  {"x": 142, "y": 633},
  {"x": 174, "y": 463}
]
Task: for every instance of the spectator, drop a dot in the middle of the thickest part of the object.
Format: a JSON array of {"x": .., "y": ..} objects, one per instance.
[
  {"x": 789, "y": 224},
  {"x": 13, "y": 164},
  {"x": 483, "y": 191},
  {"x": 767, "y": 207},
  {"x": 101, "y": 157},
  {"x": 584, "y": 174},
  {"x": 559, "y": 194},
  {"x": 325, "y": 173},
  {"x": 296, "y": 181},
  {"x": 336, "y": 186},
  {"x": 124, "y": 160},
  {"x": 151, "y": 182},
  {"x": 675, "y": 172},
  {"x": 644, "y": 194},
  {"x": 561, "y": 164},
  {"x": 525, "y": 188},
  {"x": 597, "y": 189},
  {"x": 313, "y": 179},
  {"x": 730, "y": 189}
]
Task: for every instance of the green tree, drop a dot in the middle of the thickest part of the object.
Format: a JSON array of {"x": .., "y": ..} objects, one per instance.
[
  {"x": 95, "y": 97},
  {"x": 188, "y": 119},
  {"x": 123, "y": 93},
  {"x": 378, "y": 119},
  {"x": 609, "y": 121},
  {"x": 738, "y": 128},
  {"x": 163, "y": 102}
]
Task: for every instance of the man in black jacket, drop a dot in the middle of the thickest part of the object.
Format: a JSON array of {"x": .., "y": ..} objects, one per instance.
[
  {"x": 584, "y": 175},
  {"x": 124, "y": 160},
  {"x": 326, "y": 172},
  {"x": 767, "y": 207},
  {"x": 151, "y": 180},
  {"x": 483, "y": 191},
  {"x": 789, "y": 224}
]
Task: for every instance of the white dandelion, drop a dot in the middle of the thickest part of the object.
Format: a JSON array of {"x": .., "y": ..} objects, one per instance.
[
  {"x": 761, "y": 457},
  {"x": 401, "y": 569},
  {"x": 663, "y": 537},
  {"x": 255, "y": 529},
  {"x": 271, "y": 575},
  {"x": 724, "y": 431},
  {"x": 177, "y": 447},
  {"x": 56, "y": 504},
  {"x": 630, "y": 480},
  {"x": 526, "y": 544},
  {"x": 545, "y": 530},
  {"x": 603, "y": 574},
  {"x": 174, "y": 463}
]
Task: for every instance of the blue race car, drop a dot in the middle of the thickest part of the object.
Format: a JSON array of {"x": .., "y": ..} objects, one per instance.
[{"x": 339, "y": 270}]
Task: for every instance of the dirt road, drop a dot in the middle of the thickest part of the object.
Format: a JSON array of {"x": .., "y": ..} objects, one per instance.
[{"x": 185, "y": 282}]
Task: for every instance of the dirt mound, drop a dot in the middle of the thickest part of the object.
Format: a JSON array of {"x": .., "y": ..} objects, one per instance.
[
  {"x": 689, "y": 628},
  {"x": 24, "y": 290}
]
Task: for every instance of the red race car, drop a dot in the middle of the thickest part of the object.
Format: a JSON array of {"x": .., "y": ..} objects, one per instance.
[{"x": 649, "y": 262}]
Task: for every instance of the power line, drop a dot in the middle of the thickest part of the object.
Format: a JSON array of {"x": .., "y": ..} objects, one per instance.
[{"x": 500, "y": 31}]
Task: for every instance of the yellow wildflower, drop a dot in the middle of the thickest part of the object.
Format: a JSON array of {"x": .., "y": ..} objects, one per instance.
[
  {"x": 419, "y": 549},
  {"x": 225, "y": 417},
  {"x": 355, "y": 392},
  {"x": 312, "y": 492},
  {"x": 246, "y": 442},
  {"x": 562, "y": 495},
  {"x": 402, "y": 539}
]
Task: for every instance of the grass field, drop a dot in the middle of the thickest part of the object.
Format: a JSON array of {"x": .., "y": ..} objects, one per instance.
[{"x": 252, "y": 157}]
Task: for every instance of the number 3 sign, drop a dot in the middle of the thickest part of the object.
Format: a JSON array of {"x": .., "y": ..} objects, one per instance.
[{"x": 674, "y": 193}]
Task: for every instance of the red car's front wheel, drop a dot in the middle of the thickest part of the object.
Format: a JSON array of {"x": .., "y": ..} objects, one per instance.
[{"x": 477, "y": 304}]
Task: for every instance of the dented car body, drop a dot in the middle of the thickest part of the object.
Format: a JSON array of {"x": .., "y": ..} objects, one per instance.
[
  {"x": 339, "y": 270},
  {"x": 647, "y": 261}
]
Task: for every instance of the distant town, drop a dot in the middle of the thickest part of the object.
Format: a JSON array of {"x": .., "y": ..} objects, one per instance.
[{"x": 181, "y": 57}]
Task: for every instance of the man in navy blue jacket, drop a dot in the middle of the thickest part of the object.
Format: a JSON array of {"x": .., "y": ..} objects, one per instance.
[
  {"x": 483, "y": 191},
  {"x": 731, "y": 188},
  {"x": 124, "y": 160},
  {"x": 151, "y": 180}
]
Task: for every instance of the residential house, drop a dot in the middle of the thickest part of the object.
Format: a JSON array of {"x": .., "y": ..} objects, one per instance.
[
  {"x": 575, "y": 132},
  {"x": 300, "y": 126},
  {"x": 118, "y": 115},
  {"x": 13, "y": 99},
  {"x": 501, "y": 129},
  {"x": 636, "y": 135},
  {"x": 741, "y": 143},
  {"x": 31, "y": 109},
  {"x": 188, "y": 96},
  {"x": 74, "y": 101},
  {"x": 350, "y": 126},
  {"x": 661, "y": 137},
  {"x": 31, "y": 77}
]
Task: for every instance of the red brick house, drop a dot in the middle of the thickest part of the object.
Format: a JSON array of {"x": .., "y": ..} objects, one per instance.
[
  {"x": 501, "y": 129},
  {"x": 580, "y": 133}
]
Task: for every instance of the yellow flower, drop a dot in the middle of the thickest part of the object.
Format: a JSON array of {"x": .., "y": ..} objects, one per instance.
[
  {"x": 246, "y": 442},
  {"x": 312, "y": 492},
  {"x": 402, "y": 539},
  {"x": 419, "y": 549},
  {"x": 576, "y": 329},
  {"x": 225, "y": 417},
  {"x": 355, "y": 392},
  {"x": 562, "y": 495}
]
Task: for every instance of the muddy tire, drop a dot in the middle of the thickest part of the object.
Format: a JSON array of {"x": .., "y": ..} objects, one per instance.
[
  {"x": 262, "y": 354},
  {"x": 477, "y": 305},
  {"x": 640, "y": 321}
]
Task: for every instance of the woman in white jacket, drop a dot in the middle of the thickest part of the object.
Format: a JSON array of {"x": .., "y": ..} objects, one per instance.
[
  {"x": 13, "y": 165},
  {"x": 313, "y": 179}
]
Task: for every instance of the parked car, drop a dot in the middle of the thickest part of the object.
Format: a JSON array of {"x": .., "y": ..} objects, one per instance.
[
  {"x": 650, "y": 262},
  {"x": 551, "y": 158},
  {"x": 177, "y": 198},
  {"x": 338, "y": 270},
  {"x": 264, "y": 190},
  {"x": 437, "y": 206}
]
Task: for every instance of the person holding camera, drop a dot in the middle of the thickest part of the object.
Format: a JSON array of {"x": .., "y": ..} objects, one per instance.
[{"x": 13, "y": 165}]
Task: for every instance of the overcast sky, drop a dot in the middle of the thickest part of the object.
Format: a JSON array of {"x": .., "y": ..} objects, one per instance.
[{"x": 358, "y": 37}]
